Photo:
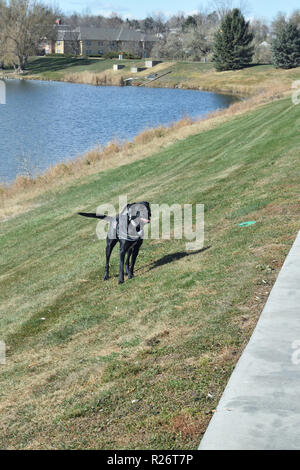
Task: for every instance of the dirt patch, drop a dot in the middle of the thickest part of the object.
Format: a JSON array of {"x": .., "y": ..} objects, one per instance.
[{"x": 188, "y": 426}]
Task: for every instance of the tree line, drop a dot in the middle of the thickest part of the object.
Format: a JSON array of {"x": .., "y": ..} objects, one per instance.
[
  {"x": 234, "y": 42},
  {"x": 221, "y": 35},
  {"x": 195, "y": 37}
]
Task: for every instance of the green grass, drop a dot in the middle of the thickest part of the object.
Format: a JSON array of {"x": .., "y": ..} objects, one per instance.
[
  {"x": 143, "y": 365},
  {"x": 54, "y": 68}
]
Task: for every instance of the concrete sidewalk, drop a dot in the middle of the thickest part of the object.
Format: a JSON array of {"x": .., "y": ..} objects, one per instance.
[{"x": 260, "y": 407}]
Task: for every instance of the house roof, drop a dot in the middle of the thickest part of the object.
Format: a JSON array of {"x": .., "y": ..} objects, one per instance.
[
  {"x": 104, "y": 34},
  {"x": 68, "y": 35}
]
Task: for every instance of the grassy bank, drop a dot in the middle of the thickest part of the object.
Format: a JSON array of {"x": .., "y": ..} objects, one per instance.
[
  {"x": 176, "y": 74},
  {"x": 142, "y": 366}
]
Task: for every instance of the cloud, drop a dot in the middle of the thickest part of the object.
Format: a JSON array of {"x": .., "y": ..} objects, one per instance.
[
  {"x": 191, "y": 13},
  {"x": 104, "y": 12},
  {"x": 111, "y": 7}
]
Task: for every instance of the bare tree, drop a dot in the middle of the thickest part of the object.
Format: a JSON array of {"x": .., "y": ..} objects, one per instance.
[
  {"x": 176, "y": 21},
  {"x": 169, "y": 47},
  {"x": 222, "y": 7},
  {"x": 114, "y": 20},
  {"x": 132, "y": 24},
  {"x": 23, "y": 25},
  {"x": 295, "y": 18},
  {"x": 2, "y": 12},
  {"x": 261, "y": 42},
  {"x": 279, "y": 21},
  {"x": 155, "y": 23},
  {"x": 196, "y": 44}
]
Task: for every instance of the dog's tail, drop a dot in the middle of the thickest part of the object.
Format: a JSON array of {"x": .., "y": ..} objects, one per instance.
[{"x": 93, "y": 215}]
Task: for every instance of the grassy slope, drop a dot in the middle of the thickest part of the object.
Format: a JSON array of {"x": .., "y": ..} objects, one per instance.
[
  {"x": 56, "y": 68},
  {"x": 250, "y": 80},
  {"x": 144, "y": 364}
]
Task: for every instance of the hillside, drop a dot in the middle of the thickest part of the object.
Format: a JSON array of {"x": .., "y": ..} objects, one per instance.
[
  {"x": 193, "y": 75},
  {"x": 142, "y": 366}
]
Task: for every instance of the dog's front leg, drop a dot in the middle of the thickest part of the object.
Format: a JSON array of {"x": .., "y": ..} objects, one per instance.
[
  {"x": 135, "y": 253},
  {"x": 121, "y": 271}
]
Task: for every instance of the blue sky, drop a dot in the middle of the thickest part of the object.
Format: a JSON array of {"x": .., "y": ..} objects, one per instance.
[{"x": 140, "y": 9}]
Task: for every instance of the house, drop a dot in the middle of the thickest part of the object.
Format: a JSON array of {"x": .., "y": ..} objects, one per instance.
[
  {"x": 97, "y": 41},
  {"x": 48, "y": 44},
  {"x": 67, "y": 41},
  {"x": 265, "y": 44}
]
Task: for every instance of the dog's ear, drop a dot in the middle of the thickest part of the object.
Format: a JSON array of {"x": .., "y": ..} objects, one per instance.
[
  {"x": 146, "y": 203},
  {"x": 125, "y": 209}
]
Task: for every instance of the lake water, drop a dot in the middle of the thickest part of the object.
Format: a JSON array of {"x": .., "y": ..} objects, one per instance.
[{"x": 43, "y": 123}]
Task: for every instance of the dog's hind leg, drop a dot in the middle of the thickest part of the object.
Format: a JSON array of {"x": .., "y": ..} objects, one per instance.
[
  {"x": 135, "y": 253},
  {"x": 124, "y": 247},
  {"x": 110, "y": 243}
]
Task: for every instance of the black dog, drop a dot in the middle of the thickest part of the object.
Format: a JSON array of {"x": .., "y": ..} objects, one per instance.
[{"x": 127, "y": 228}]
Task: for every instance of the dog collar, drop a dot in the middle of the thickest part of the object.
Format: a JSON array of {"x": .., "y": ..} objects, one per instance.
[{"x": 131, "y": 238}]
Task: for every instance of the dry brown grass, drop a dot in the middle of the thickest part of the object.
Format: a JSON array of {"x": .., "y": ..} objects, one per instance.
[
  {"x": 107, "y": 78},
  {"x": 110, "y": 77},
  {"x": 188, "y": 426},
  {"x": 246, "y": 82}
]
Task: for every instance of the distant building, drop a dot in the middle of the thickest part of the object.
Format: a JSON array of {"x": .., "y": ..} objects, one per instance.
[
  {"x": 98, "y": 41},
  {"x": 265, "y": 44},
  {"x": 49, "y": 44}
]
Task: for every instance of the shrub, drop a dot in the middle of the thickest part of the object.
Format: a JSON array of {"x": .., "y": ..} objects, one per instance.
[
  {"x": 115, "y": 55},
  {"x": 68, "y": 55}
]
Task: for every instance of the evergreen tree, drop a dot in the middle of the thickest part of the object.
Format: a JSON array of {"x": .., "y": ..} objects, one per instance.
[
  {"x": 233, "y": 49},
  {"x": 286, "y": 47},
  {"x": 190, "y": 22}
]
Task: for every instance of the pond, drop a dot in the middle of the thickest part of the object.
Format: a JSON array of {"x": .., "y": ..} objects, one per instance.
[{"x": 43, "y": 123}]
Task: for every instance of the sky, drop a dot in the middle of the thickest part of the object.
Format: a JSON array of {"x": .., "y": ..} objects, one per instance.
[{"x": 140, "y": 9}]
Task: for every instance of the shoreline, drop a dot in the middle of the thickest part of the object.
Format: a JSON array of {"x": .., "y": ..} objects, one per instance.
[
  {"x": 219, "y": 91},
  {"x": 243, "y": 83}
]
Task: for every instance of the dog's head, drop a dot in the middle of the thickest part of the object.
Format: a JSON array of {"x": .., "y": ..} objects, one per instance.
[{"x": 138, "y": 212}]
